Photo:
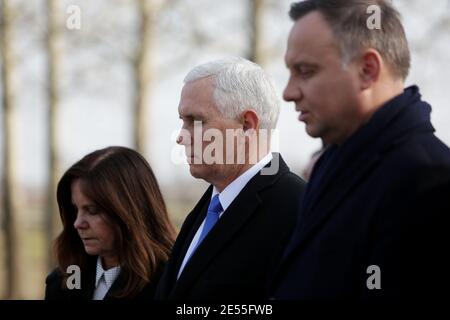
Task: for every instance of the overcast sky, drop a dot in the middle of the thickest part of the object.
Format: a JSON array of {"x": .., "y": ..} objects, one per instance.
[{"x": 95, "y": 109}]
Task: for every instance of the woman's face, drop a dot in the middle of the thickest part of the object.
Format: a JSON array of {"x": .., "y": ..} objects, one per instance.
[{"x": 93, "y": 226}]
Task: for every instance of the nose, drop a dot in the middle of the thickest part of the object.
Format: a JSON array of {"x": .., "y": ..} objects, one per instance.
[
  {"x": 292, "y": 92},
  {"x": 80, "y": 222},
  {"x": 184, "y": 137},
  {"x": 179, "y": 139}
]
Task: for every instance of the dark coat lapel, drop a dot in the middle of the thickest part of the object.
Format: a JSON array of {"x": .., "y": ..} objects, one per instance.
[
  {"x": 341, "y": 178},
  {"x": 88, "y": 281},
  {"x": 359, "y": 155},
  {"x": 115, "y": 287},
  {"x": 233, "y": 219},
  {"x": 336, "y": 193},
  {"x": 184, "y": 239},
  {"x": 193, "y": 225}
]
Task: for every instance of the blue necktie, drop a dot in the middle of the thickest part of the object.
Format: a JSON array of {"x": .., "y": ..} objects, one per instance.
[{"x": 211, "y": 217}]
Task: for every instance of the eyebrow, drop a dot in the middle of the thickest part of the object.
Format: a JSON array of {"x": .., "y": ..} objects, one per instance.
[
  {"x": 192, "y": 116},
  {"x": 302, "y": 64},
  {"x": 85, "y": 206}
]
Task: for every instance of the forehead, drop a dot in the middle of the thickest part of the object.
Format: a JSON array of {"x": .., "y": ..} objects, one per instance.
[
  {"x": 197, "y": 98},
  {"x": 311, "y": 39},
  {"x": 78, "y": 187}
]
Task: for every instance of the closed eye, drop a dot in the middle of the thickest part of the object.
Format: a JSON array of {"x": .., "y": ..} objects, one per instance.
[
  {"x": 304, "y": 70},
  {"x": 306, "y": 74},
  {"x": 92, "y": 209},
  {"x": 190, "y": 120}
]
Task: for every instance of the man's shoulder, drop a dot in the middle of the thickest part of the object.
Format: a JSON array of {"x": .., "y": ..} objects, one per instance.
[
  {"x": 289, "y": 181},
  {"x": 418, "y": 154},
  {"x": 284, "y": 194},
  {"x": 413, "y": 169},
  {"x": 281, "y": 174}
]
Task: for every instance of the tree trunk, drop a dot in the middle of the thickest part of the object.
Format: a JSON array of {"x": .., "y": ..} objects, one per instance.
[
  {"x": 142, "y": 74},
  {"x": 51, "y": 213},
  {"x": 9, "y": 174},
  {"x": 255, "y": 53}
]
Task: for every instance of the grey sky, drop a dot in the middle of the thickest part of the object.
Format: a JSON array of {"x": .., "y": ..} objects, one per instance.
[{"x": 95, "y": 110}]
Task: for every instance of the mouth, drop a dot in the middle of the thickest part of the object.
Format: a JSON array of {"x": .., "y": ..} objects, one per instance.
[
  {"x": 192, "y": 159},
  {"x": 303, "y": 115},
  {"x": 87, "y": 238}
]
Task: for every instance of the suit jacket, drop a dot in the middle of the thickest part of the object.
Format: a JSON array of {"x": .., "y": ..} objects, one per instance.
[
  {"x": 54, "y": 290},
  {"x": 382, "y": 202},
  {"x": 235, "y": 258}
]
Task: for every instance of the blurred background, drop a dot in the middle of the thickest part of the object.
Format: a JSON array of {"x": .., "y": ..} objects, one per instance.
[{"x": 81, "y": 75}]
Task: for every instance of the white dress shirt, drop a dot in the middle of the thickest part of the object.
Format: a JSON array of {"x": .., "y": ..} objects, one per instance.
[
  {"x": 226, "y": 197},
  {"x": 104, "y": 279}
]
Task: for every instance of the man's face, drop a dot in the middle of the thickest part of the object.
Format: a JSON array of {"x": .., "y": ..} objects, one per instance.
[
  {"x": 197, "y": 105},
  {"x": 323, "y": 90}
]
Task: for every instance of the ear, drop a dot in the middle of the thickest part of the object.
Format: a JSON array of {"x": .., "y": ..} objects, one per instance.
[
  {"x": 370, "y": 68},
  {"x": 249, "y": 120}
]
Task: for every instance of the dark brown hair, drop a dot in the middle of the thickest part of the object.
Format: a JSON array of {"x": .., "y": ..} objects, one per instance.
[
  {"x": 348, "y": 22},
  {"x": 122, "y": 184}
]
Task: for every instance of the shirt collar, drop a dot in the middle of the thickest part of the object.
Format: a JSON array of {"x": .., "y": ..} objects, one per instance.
[
  {"x": 228, "y": 194},
  {"x": 110, "y": 275}
]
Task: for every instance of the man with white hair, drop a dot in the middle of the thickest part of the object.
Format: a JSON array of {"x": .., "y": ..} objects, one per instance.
[{"x": 236, "y": 233}]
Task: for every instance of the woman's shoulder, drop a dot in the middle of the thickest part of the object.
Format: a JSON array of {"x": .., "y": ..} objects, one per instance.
[
  {"x": 53, "y": 285},
  {"x": 149, "y": 291},
  {"x": 79, "y": 280},
  {"x": 54, "y": 276}
]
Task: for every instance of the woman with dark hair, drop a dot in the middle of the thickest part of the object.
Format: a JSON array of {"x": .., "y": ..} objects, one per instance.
[{"x": 116, "y": 230}]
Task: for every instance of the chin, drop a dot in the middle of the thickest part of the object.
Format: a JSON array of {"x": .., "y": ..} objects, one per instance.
[
  {"x": 195, "y": 171},
  {"x": 200, "y": 171},
  {"x": 312, "y": 132},
  {"x": 316, "y": 130},
  {"x": 91, "y": 251}
]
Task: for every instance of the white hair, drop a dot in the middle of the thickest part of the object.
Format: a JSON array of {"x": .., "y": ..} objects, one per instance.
[{"x": 240, "y": 85}]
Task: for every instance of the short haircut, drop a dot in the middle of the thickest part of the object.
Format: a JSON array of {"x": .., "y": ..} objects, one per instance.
[
  {"x": 348, "y": 22},
  {"x": 240, "y": 85}
]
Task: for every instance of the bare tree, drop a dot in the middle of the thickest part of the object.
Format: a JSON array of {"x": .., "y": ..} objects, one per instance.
[
  {"x": 51, "y": 217},
  {"x": 142, "y": 72},
  {"x": 9, "y": 182},
  {"x": 256, "y": 10}
]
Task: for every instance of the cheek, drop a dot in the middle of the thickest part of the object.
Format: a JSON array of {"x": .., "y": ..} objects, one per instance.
[
  {"x": 328, "y": 101},
  {"x": 105, "y": 232},
  {"x": 109, "y": 236},
  {"x": 317, "y": 92},
  {"x": 322, "y": 106}
]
